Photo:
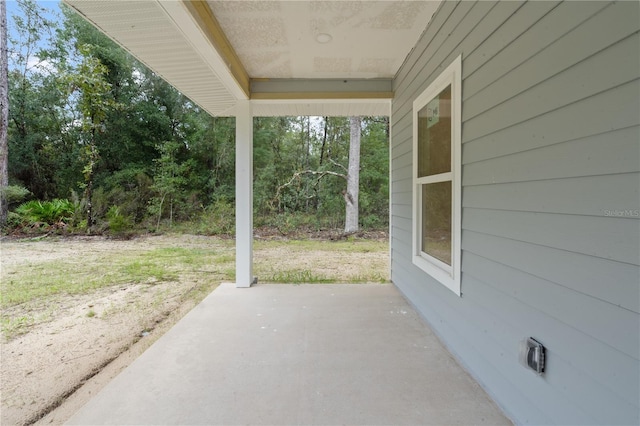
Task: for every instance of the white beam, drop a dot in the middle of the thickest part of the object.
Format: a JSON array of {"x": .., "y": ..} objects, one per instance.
[
  {"x": 321, "y": 107},
  {"x": 293, "y": 88},
  {"x": 193, "y": 33},
  {"x": 244, "y": 194}
]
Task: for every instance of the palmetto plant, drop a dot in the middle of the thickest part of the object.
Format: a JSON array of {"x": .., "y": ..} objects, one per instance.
[{"x": 49, "y": 212}]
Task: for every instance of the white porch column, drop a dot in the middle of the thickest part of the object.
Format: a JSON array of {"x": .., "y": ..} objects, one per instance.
[{"x": 244, "y": 194}]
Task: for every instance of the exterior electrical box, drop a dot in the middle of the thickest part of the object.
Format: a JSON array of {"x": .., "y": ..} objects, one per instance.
[{"x": 532, "y": 355}]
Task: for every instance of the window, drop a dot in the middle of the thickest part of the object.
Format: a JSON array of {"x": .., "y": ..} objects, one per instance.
[{"x": 436, "y": 178}]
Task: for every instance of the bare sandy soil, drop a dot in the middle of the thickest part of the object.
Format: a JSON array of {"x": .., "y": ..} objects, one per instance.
[{"x": 85, "y": 340}]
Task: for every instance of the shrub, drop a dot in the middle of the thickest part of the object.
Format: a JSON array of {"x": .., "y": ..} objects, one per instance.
[
  {"x": 118, "y": 223},
  {"x": 48, "y": 212},
  {"x": 78, "y": 220},
  {"x": 373, "y": 221},
  {"x": 218, "y": 219},
  {"x": 130, "y": 191},
  {"x": 14, "y": 220},
  {"x": 15, "y": 194}
]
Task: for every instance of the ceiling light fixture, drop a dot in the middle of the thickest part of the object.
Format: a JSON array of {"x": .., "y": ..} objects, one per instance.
[{"x": 323, "y": 38}]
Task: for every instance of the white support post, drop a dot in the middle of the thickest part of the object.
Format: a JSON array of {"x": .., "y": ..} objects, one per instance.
[{"x": 244, "y": 194}]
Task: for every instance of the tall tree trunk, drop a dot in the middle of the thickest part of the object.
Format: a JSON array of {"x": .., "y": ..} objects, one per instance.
[
  {"x": 353, "y": 177},
  {"x": 93, "y": 159},
  {"x": 4, "y": 114},
  {"x": 324, "y": 139}
]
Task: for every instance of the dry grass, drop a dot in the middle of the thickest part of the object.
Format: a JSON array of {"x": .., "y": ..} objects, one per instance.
[{"x": 71, "y": 306}]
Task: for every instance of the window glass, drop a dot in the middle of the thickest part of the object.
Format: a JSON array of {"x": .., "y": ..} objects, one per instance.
[
  {"x": 437, "y": 171},
  {"x": 434, "y": 135},
  {"x": 436, "y": 220}
]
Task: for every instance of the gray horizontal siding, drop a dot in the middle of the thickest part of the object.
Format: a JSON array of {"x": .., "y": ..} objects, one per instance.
[
  {"x": 564, "y": 339},
  {"x": 513, "y": 24},
  {"x": 404, "y": 160},
  {"x": 402, "y": 149},
  {"x": 589, "y": 195},
  {"x": 584, "y": 274},
  {"x": 613, "y": 153},
  {"x": 551, "y": 178},
  {"x": 613, "y": 238},
  {"x": 587, "y": 78},
  {"x": 597, "y": 115},
  {"x": 572, "y": 395},
  {"x": 404, "y": 173},
  {"x": 433, "y": 52},
  {"x": 613, "y": 326},
  {"x": 547, "y": 48},
  {"x": 403, "y": 211}
]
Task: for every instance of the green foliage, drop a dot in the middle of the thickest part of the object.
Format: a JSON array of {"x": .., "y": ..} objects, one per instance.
[
  {"x": 118, "y": 223},
  {"x": 373, "y": 221},
  {"x": 15, "y": 194},
  {"x": 36, "y": 113},
  {"x": 287, "y": 223},
  {"x": 47, "y": 212},
  {"x": 78, "y": 220},
  {"x": 69, "y": 276},
  {"x": 89, "y": 119},
  {"x": 131, "y": 190},
  {"x": 200, "y": 261},
  {"x": 303, "y": 276},
  {"x": 217, "y": 219},
  {"x": 14, "y": 220},
  {"x": 168, "y": 181}
]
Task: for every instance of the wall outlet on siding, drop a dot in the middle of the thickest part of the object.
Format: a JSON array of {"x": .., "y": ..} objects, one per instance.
[{"x": 532, "y": 355}]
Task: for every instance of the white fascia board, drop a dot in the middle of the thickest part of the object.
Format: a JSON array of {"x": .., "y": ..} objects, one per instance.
[{"x": 184, "y": 21}]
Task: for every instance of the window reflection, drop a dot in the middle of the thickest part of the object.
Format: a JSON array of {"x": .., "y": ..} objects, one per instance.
[
  {"x": 436, "y": 220},
  {"x": 434, "y": 135}
]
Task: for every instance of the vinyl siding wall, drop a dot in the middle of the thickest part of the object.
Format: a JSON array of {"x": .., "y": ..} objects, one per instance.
[{"x": 551, "y": 178}]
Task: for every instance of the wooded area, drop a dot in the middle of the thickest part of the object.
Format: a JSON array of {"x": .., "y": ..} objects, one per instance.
[{"x": 97, "y": 142}]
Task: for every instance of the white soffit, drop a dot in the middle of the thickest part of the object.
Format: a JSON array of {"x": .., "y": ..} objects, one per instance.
[
  {"x": 352, "y": 48},
  {"x": 336, "y": 39},
  {"x": 149, "y": 33}
]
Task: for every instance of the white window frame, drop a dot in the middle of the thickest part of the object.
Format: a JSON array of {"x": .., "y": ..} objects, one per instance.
[{"x": 448, "y": 275}]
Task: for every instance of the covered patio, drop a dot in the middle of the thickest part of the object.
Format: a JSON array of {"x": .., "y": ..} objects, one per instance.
[
  {"x": 284, "y": 354},
  {"x": 296, "y": 354},
  {"x": 538, "y": 108},
  {"x": 249, "y": 59}
]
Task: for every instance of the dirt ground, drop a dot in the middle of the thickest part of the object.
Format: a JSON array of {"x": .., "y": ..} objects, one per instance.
[{"x": 85, "y": 340}]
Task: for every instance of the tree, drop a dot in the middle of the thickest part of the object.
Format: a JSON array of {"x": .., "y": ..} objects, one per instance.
[
  {"x": 38, "y": 145},
  {"x": 353, "y": 177},
  {"x": 168, "y": 181},
  {"x": 4, "y": 113},
  {"x": 373, "y": 200},
  {"x": 94, "y": 102},
  {"x": 86, "y": 116},
  {"x": 325, "y": 152}
]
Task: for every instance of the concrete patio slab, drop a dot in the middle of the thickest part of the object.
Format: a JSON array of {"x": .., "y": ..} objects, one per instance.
[{"x": 294, "y": 355}]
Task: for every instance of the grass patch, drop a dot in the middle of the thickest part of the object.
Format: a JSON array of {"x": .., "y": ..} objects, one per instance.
[
  {"x": 30, "y": 293},
  {"x": 368, "y": 278},
  {"x": 25, "y": 283},
  {"x": 12, "y": 326},
  {"x": 320, "y": 261},
  {"x": 340, "y": 246},
  {"x": 80, "y": 275},
  {"x": 298, "y": 277}
]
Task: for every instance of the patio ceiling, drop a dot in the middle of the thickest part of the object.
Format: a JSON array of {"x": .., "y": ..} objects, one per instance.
[{"x": 288, "y": 57}]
